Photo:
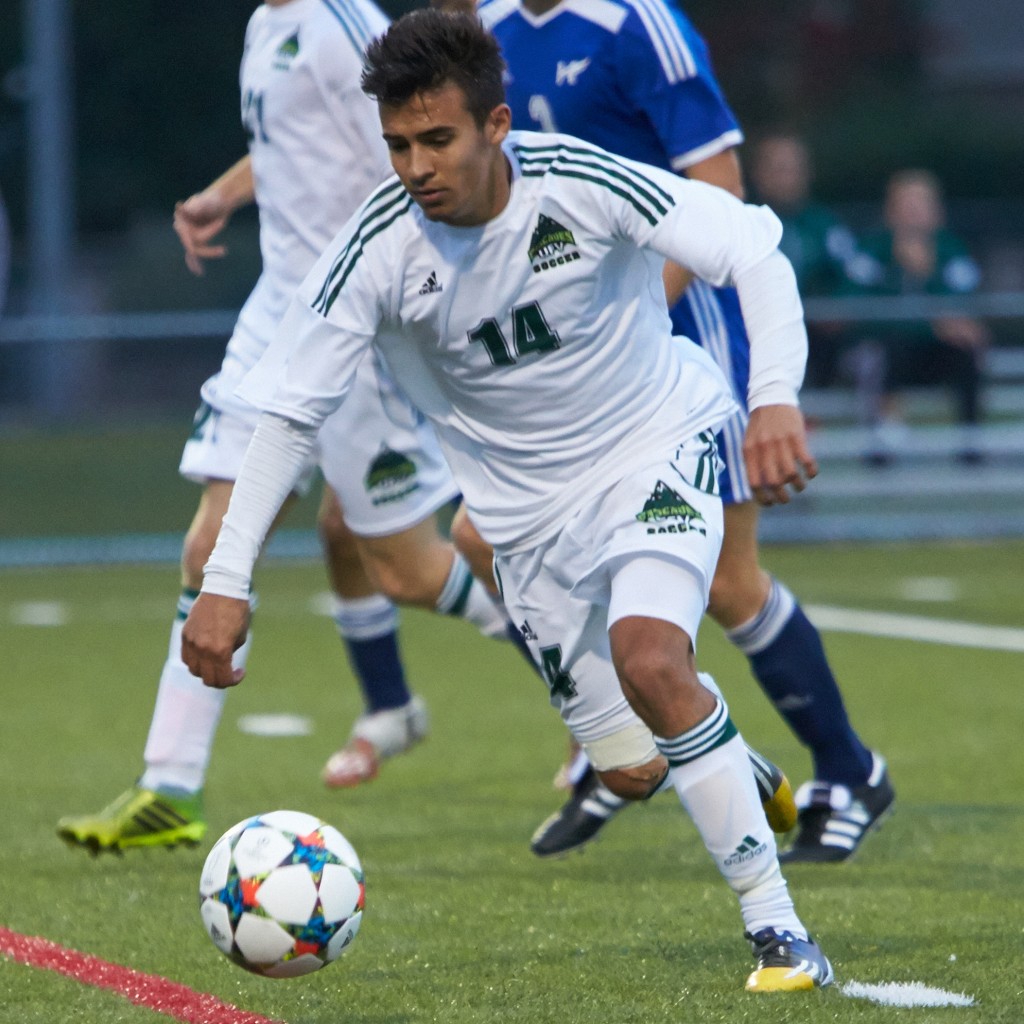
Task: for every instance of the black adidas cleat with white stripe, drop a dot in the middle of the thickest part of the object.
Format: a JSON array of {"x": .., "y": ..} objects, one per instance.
[
  {"x": 578, "y": 821},
  {"x": 834, "y": 820},
  {"x": 592, "y": 806}
]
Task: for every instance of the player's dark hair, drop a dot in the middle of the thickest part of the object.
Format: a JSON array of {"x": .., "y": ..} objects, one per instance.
[{"x": 427, "y": 49}]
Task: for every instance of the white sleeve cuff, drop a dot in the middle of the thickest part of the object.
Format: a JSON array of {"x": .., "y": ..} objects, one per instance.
[{"x": 774, "y": 318}]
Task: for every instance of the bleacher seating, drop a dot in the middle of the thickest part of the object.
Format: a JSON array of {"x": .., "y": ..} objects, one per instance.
[{"x": 926, "y": 491}]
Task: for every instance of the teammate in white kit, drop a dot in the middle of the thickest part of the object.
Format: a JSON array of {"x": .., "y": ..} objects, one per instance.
[
  {"x": 512, "y": 283},
  {"x": 635, "y": 77},
  {"x": 315, "y": 152}
]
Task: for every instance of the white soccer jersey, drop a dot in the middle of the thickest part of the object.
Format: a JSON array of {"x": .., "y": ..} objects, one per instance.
[
  {"x": 538, "y": 343},
  {"x": 314, "y": 139}
]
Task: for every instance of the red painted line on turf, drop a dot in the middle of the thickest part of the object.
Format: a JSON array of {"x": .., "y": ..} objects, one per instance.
[{"x": 150, "y": 990}]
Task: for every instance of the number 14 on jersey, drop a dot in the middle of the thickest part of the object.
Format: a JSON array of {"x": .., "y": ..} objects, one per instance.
[{"x": 530, "y": 333}]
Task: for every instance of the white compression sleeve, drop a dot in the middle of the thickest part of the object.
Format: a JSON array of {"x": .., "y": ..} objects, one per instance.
[
  {"x": 272, "y": 464},
  {"x": 774, "y": 317}
]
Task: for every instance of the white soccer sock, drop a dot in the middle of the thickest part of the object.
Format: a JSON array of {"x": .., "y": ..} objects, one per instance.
[
  {"x": 364, "y": 618},
  {"x": 465, "y": 597},
  {"x": 185, "y": 718},
  {"x": 710, "y": 772}
]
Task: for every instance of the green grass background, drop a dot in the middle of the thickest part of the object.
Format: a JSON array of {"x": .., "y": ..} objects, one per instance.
[{"x": 463, "y": 924}]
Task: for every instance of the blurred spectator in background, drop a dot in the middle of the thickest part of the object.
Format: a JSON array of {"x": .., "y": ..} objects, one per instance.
[
  {"x": 915, "y": 254},
  {"x": 817, "y": 243}
]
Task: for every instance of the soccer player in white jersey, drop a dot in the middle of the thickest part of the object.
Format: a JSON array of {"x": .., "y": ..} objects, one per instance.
[
  {"x": 512, "y": 283},
  {"x": 634, "y": 76},
  {"x": 314, "y": 152}
]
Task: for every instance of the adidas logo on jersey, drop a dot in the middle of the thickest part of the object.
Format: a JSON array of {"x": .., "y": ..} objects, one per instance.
[
  {"x": 568, "y": 71},
  {"x": 287, "y": 52},
  {"x": 430, "y": 286},
  {"x": 551, "y": 245}
]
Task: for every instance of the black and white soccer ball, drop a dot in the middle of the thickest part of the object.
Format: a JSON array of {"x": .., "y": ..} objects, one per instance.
[{"x": 282, "y": 894}]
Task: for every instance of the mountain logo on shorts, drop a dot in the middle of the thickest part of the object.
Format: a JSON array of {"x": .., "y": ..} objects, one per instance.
[
  {"x": 391, "y": 477},
  {"x": 552, "y": 245},
  {"x": 287, "y": 52},
  {"x": 667, "y": 512}
]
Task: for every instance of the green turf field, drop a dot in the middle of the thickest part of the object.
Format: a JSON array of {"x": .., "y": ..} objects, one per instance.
[{"x": 462, "y": 923}]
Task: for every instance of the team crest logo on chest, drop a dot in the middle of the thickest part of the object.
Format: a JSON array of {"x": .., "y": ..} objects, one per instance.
[
  {"x": 391, "y": 477},
  {"x": 287, "y": 52},
  {"x": 552, "y": 245},
  {"x": 665, "y": 511}
]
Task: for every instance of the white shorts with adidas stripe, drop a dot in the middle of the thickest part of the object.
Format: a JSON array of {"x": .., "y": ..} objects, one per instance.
[{"x": 558, "y": 594}]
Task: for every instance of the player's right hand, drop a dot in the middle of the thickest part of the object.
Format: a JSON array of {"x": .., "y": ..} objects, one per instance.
[
  {"x": 214, "y": 630},
  {"x": 196, "y": 221}
]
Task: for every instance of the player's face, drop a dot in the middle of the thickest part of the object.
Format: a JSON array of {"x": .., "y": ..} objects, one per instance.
[{"x": 451, "y": 166}]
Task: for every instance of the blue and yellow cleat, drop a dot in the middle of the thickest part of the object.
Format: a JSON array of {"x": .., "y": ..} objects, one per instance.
[{"x": 786, "y": 963}]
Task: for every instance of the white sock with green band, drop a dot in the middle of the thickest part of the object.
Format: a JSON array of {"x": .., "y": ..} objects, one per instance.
[
  {"x": 465, "y": 597},
  {"x": 710, "y": 772}
]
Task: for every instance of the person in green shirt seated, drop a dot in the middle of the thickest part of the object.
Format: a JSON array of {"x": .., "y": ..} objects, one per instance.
[
  {"x": 816, "y": 241},
  {"x": 916, "y": 254}
]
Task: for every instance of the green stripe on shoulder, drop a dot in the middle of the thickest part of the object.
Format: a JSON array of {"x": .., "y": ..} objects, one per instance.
[
  {"x": 600, "y": 157},
  {"x": 358, "y": 251},
  {"x": 647, "y": 197},
  {"x": 629, "y": 197},
  {"x": 379, "y": 204}
]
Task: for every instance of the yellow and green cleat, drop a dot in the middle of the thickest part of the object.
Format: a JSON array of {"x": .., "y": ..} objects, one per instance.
[{"x": 137, "y": 818}]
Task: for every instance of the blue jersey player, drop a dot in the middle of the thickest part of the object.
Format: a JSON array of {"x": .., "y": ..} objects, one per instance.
[{"x": 634, "y": 76}]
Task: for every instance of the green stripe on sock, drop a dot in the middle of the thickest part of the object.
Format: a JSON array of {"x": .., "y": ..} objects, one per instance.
[
  {"x": 728, "y": 732},
  {"x": 458, "y": 606}
]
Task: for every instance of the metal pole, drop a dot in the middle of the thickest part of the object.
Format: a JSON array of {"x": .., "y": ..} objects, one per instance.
[
  {"x": 5, "y": 254},
  {"x": 51, "y": 198}
]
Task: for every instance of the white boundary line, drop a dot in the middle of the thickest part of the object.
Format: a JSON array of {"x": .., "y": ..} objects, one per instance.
[
  {"x": 916, "y": 627},
  {"x": 911, "y": 993}
]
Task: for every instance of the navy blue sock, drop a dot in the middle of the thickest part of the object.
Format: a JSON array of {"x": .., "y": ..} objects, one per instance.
[
  {"x": 788, "y": 660},
  {"x": 367, "y": 627}
]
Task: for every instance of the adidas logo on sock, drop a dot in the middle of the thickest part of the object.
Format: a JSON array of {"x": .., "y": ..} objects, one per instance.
[
  {"x": 430, "y": 286},
  {"x": 748, "y": 849}
]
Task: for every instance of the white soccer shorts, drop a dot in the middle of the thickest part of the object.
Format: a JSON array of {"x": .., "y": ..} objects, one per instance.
[
  {"x": 377, "y": 452},
  {"x": 559, "y": 594},
  {"x": 383, "y": 458}
]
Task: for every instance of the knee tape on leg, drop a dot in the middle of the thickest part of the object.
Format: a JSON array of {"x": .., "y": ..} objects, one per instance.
[{"x": 627, "y": 748}]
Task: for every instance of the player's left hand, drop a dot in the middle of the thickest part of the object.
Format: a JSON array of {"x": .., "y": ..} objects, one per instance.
[
  {"x": 776, "y": 453},
  {"x": 197, "y": 220},
  {"x": 215, "y": 629}
]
